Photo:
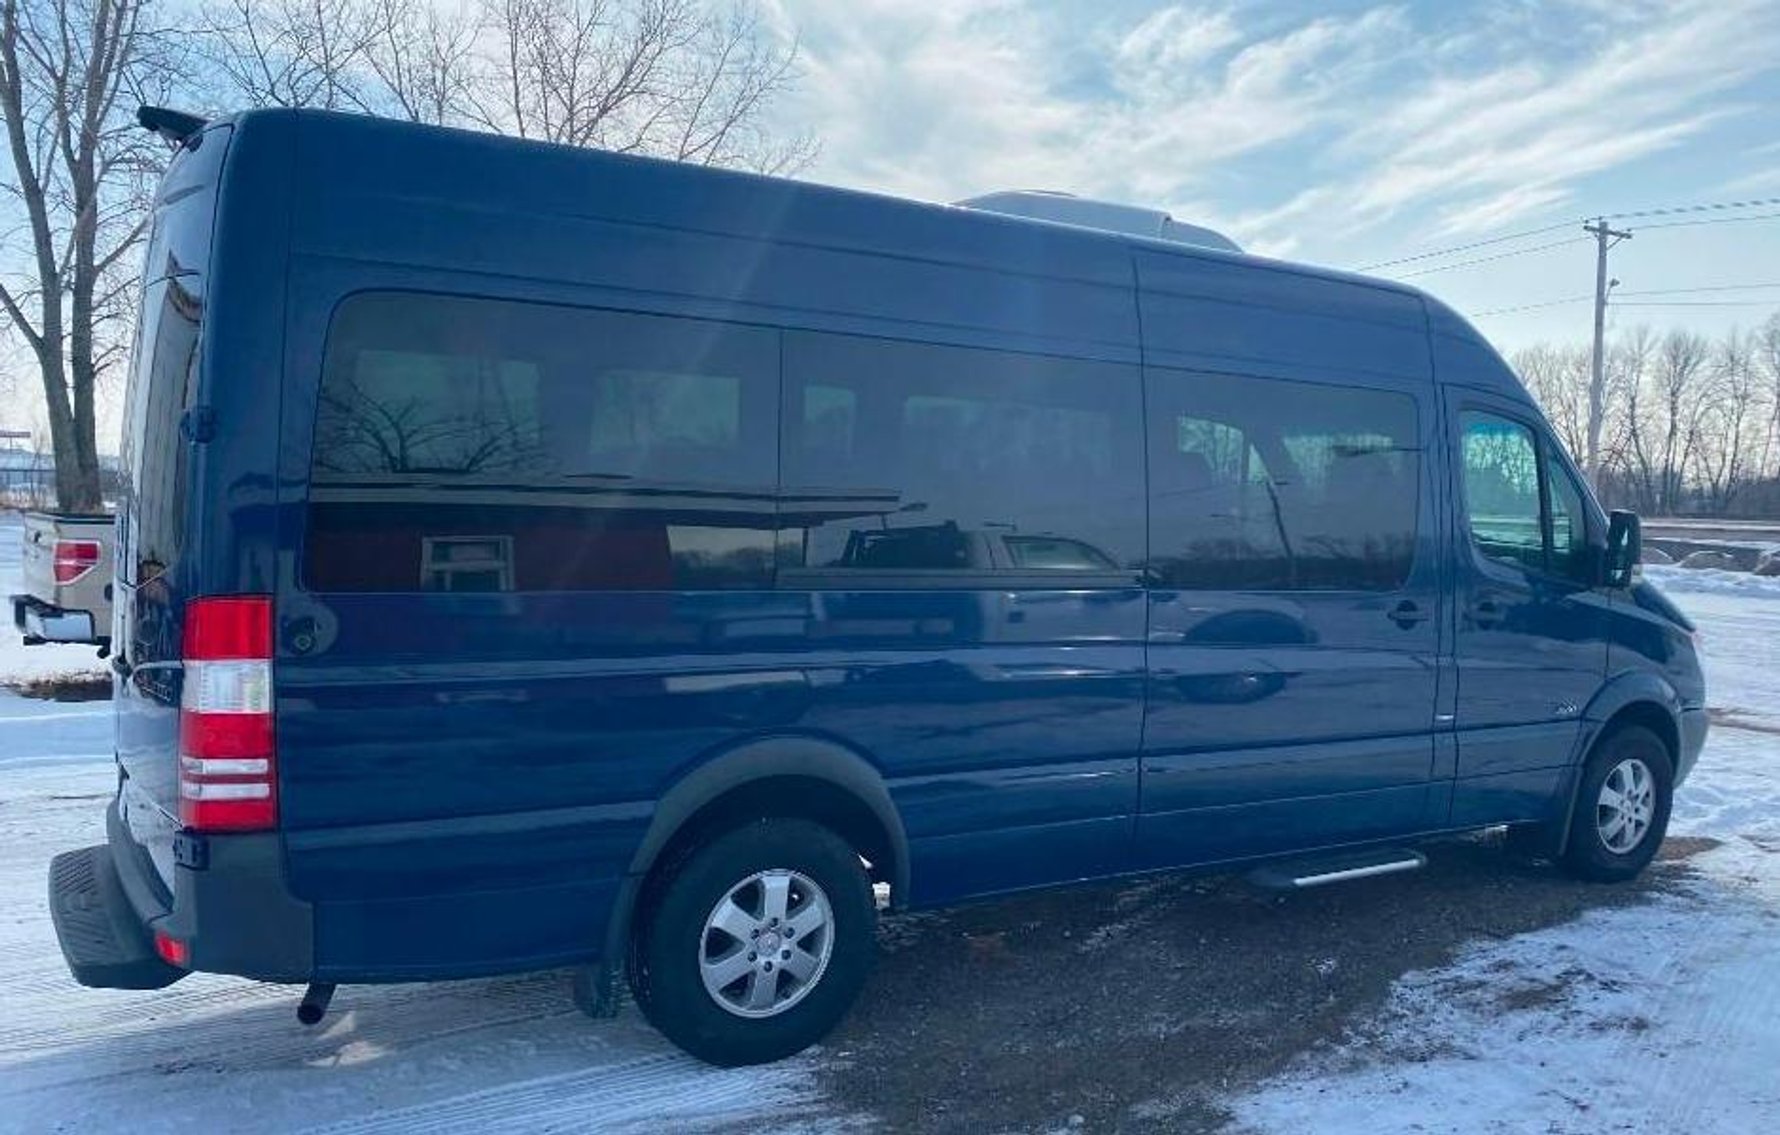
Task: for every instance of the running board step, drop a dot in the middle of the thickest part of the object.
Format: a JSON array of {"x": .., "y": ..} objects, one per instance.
[{"x": 1300, "y": 874}]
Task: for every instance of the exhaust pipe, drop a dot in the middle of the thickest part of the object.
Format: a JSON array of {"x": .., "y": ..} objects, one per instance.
[{"x": 315, "y": 1002}]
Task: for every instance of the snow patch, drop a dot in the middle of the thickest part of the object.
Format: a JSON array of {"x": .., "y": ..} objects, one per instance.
[
  {"x": 1659, "y": 1017},
  {"x": 1674, "y": 580}
]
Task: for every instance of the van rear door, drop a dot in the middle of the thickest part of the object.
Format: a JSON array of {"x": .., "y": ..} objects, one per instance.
[{"x": 153, "y": 505}]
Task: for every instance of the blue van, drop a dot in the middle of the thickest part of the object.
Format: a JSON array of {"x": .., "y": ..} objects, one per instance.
[{"x": 534, "y": 557}]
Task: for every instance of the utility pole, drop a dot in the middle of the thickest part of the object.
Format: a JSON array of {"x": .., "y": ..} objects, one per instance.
[{"x": 1605, "y": 238}]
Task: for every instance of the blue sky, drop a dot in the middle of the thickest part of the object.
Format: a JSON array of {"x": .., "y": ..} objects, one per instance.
[{"x": 1340, "y": 133}]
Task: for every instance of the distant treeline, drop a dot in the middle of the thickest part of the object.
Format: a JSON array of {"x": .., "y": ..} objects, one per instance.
[{"x": 1689, "y": 424}]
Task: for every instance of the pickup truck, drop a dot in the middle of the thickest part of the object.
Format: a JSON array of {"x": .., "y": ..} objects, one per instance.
[{"x": 65, "y": 575}]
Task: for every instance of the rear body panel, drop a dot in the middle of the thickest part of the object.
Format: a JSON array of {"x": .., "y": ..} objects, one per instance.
[{"x": 194, "y": 511}]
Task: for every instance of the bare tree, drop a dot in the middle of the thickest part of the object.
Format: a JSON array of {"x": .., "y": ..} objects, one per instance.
[
  {"x": 1558, "y": 378},
  {"x": 293, "y": 52},
  {"x": 1665, "y": 426},
  {"x": 1733, "y": 414},
  {"x": 1767, "y": 359},
  {"x": 423, "y": 56},
  {"x": 71, "y": 72},
  {"x": 671, "y": 78}
]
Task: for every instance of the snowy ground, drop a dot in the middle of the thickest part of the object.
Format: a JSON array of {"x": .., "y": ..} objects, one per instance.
[
  {"x": 1661, "y": 1013},
  {"x": 1663, "y": 1016}
]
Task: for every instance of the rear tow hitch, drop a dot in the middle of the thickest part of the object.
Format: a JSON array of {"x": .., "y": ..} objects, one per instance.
[{"x": 315, "y": 1002}]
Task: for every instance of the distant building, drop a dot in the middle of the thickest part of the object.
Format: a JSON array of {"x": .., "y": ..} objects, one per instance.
[{"x": 28, "y": 478}]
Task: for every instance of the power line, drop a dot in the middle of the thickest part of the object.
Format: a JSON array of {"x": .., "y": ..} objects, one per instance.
[
  {"x": 1463, "y": 247},
  {"x": 1531, "y": 306},
  {"x": 1702, "y": 303},
  {"x": 1692, "y": 291},
  {"x": 1709, "y": 221},
  {"x": 1709, "y": 208},
  {"x": 1665, "y": 211},
  {"x": 1560, "y": 301},
  {"x": 1497, "y": 256}
]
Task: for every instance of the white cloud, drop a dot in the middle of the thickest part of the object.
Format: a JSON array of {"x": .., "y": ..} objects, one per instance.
[
  {"x": 1336, "y": 124},
  {"x": 1172, "y": 40}
]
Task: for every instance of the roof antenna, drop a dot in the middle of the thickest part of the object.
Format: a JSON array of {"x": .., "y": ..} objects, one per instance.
[{"x": 176, "y": 126}]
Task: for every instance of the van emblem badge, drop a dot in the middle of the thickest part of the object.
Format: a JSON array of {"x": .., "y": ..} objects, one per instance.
[{"x": 1567, "y": 709}]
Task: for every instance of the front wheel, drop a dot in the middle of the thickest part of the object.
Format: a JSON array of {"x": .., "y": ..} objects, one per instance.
[
  {"x": 755, "y": 946},
  {"x": 1622, "y": 806}
]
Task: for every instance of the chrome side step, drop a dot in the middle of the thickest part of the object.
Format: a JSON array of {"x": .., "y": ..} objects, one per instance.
[{"x": 1302, "y": 874}]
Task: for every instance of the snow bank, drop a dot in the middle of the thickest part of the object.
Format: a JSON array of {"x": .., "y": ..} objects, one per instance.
[{"x": 1708, "y": 581}]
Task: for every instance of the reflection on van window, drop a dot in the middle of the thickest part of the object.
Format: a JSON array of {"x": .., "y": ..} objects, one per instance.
[
  {"x": 918, "y": 457},
  {"x": 415, "y": 412},
  {"x": 1261, "y": 484},
  {"x": 680, "y": 424},
  {"x": 1501, "y": 465},
  {"x": 161, "y": 389},
  {"x": 1569, "y": 526},
  {"x": 479, "y": 445}
]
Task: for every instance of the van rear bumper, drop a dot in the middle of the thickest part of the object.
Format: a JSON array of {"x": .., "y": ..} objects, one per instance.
[
  {"x": 105, "y": 945},
  {"x": 232, "y": 914}
]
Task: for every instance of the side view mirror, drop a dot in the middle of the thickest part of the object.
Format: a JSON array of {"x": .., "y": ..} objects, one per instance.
[{"x": 1625, "y": 547}]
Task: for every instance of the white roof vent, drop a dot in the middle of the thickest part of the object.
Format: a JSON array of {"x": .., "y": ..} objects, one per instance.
[{"x": 1068, "y": 209}]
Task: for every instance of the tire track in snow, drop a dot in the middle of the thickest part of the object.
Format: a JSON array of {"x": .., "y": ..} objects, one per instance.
[{"x": 660, "y": 1092}]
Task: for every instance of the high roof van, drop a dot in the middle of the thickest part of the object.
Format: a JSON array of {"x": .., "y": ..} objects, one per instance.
[{"x": 532, "y": 557}]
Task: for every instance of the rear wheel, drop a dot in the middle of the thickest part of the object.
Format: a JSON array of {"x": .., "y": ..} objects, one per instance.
[
  {"x": 1622, "y": 806},
  {"x": 754, "y": 946}
]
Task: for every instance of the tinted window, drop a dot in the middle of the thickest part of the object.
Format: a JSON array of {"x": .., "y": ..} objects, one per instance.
[
  {"x": 1569, "y": 527},
  {"x": 914, "y": 457},
  {"x": 161, "y": 390},
  {"x": 1503, "y": 497},
  {"x": 481, "y": 445},
  {"x": 1501, "y": 472},
  {"x": 1263, "y": 484},
  {"x": 164, "y": 377}
]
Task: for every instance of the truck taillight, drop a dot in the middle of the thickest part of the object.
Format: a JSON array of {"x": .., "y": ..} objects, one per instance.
[
  {"x": 74, "y": 558},
  {"x": 228, "y": 773}
]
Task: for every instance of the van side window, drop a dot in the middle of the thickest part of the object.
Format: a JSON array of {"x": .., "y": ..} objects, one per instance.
[
  {"x": 1262, "y": 484},
  {"x": 469, "y": 444},
  {"x": 1570, "y": 555},
  {"x": 927, "y": 458},
  {"x": 1501, "y": 471}
]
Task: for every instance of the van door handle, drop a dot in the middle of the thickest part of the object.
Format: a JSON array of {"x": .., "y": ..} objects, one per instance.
[
  {"x": 1487, "y": 613},
  {"x": 1408, "y": 613}
]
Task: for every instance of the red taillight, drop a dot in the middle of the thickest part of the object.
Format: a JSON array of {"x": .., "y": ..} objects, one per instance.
[
  {"x": 227, "y": 764},
  {"x": 74, "y": 558},
  {"x": 172, "y": 950}
]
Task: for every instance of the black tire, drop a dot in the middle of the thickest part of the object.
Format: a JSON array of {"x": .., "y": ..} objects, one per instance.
[
  {"x": 665, "y": 973},
  {"x": 1588, "y": 855}
]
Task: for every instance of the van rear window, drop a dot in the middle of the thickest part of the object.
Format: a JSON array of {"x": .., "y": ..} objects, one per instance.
[{"x": 467, "y": 444}]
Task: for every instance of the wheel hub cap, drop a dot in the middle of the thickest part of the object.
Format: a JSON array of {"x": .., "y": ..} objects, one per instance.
[
  {"x": 766, "y": 943},
  {"x": 1626, "y": 806}
]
